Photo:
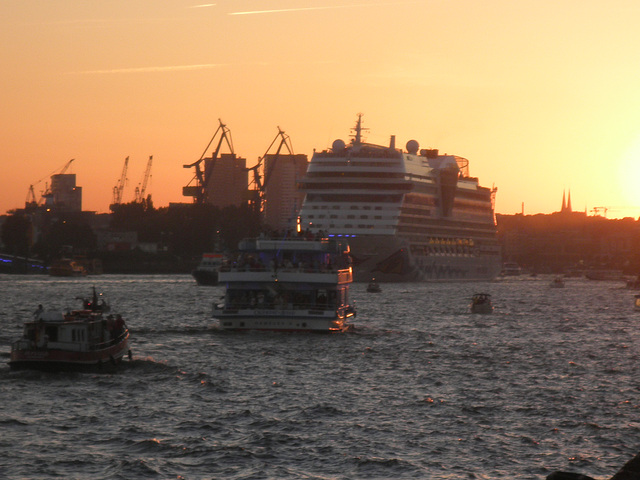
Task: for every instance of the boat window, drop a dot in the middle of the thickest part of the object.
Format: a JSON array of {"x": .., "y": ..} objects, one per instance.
[
  {"x": 321, "y": 297},
  {"x": 73, "y": 335},
  {"x": 52, "y": 333}
]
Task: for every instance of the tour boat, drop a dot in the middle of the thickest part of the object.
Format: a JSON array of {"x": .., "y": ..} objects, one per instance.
[
  {"x": 481, "y": 303},
  {"x": 85, "y": 339},
  {"x": 294, "y": 284}
]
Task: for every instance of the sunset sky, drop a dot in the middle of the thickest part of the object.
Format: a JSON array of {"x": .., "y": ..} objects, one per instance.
[{"x": 540, "y": 96}]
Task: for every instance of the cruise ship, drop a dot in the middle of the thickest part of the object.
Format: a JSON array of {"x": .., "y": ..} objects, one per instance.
[{"x": 412, "y": 215}]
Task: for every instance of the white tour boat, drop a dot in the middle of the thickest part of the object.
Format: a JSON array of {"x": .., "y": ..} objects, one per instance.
[{"x": 295, "y": 284}]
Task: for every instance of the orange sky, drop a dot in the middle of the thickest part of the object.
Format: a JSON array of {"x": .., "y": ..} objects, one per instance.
[{"x": 540, "y": 96}]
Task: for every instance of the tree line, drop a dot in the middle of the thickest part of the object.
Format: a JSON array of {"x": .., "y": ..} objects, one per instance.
[{"x": 184, "y": 231}]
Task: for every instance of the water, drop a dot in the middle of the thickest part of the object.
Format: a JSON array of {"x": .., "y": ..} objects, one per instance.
[{"x": 421, "y": 389}]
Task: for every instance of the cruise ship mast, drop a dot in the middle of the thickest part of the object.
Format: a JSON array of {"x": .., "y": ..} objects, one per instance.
[{"x": 357, "y": 138}]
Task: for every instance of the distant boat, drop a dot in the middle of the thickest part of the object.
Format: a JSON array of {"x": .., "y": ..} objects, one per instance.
[
  {"x": 634, "y": 284},
  {"x": 207, "y": 271},
  {"x": 557, "y": 282},
  {"x": 373, "y": 287},
  {"x": 481, "y": 303},
  {"x": 604, "y": 274},
  {"x": 636, "y": 302},
  {"x": 511, "y": 269},
  {"x": 65, "y": 267}
]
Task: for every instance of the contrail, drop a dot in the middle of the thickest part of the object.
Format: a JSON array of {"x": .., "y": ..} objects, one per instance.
[
  {"x": 150, "y": 69},
  {"x": 301, "y": 9},
  {"x": 204, "y": 5}
]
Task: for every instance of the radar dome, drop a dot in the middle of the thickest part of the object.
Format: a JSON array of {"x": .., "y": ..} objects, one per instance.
[
  {"x": 338, "y": 145},
  {"x": 412, "y": 147}
]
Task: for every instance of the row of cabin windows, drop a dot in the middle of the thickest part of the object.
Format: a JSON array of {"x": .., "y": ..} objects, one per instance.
[
  {"x": 362, "y": 217},
  {"x": 338, "y": 207},
  {"x": 348, "y": 225}
]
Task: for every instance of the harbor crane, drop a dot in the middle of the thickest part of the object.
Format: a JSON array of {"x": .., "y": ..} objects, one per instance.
[
  {"x": 119, "y": 188},
  {"x": 65, "y": 168},
  {"x": 142, "y": 190},
  {"x": 31, "y": 196},
  {"x": 596, "y": 211},
  {"x": 203, "y": 171},
  {"x": 260, "y": 184}
]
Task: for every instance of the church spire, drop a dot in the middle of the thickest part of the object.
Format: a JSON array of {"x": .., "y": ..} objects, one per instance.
[{"x": 566, "y": 203}]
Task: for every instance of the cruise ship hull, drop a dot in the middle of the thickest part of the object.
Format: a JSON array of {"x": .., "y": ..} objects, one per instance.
[{"x": 394, "y": 259}]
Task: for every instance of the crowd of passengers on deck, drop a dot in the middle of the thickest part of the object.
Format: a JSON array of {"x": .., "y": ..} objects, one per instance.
[
  {"x": 264, "y": 299},
  {"x": 293, "y": 235},
  {"x": 303, "y": 263}
]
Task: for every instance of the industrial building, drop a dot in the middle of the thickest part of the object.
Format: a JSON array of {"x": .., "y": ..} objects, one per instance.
[{"x": 282, "y": 197}]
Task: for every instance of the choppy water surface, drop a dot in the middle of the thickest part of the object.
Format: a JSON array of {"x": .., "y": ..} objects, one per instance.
[{"x": 421, "y": 389}]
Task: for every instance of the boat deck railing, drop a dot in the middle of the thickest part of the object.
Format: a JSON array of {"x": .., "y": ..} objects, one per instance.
[
  {"x": 240, "y": 305},
  {"x": 28, "y": 344},
  {"x": 289, "y": 269},
  {"x": 113, "y": 341}
]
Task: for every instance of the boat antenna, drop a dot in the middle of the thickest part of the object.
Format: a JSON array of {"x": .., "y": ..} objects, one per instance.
[{"x": 357, "y": 138}]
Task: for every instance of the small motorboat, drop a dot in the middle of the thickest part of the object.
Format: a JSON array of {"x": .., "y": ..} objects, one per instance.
[
  {"x": 557, "y": 282},
  {"x": 634, "y": 284},
  {"x": 373, "y": 287},
  {"x": 481, "y": 303},
  {"x": 85, "y": 339}
]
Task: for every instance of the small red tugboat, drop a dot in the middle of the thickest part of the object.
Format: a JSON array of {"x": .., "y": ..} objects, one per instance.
[{"x": 86, "y": 339}]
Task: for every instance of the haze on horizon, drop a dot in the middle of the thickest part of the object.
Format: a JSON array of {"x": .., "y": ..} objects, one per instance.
[{"x": 541, "y": 97}]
